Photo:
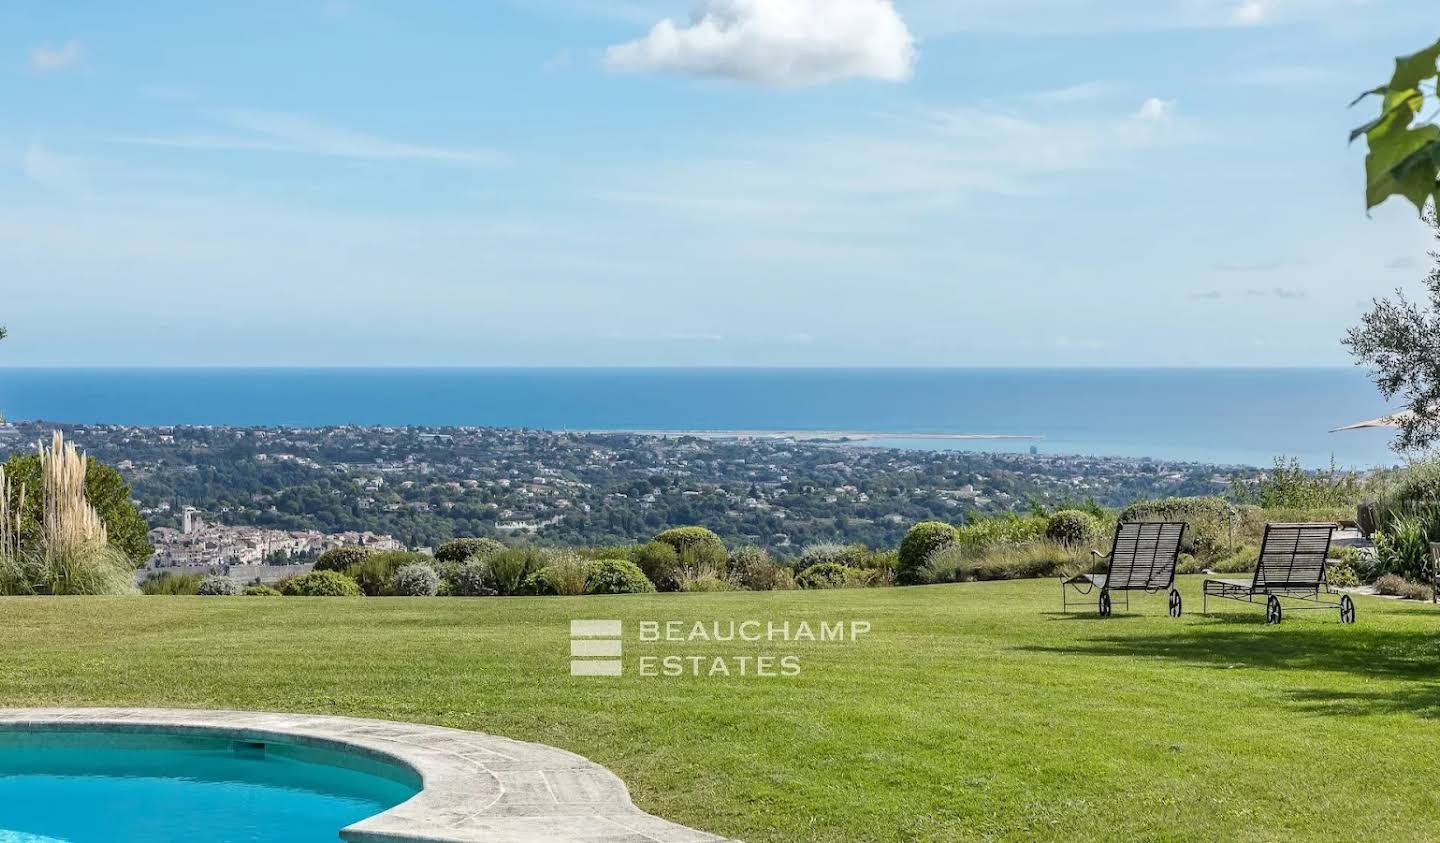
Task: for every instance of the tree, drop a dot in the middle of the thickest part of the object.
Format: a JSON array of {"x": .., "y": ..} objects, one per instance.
[
  {"x": 1404, "y": 156},
  {"x": 105, "y": 489},
  {"x": 1400, "y": 342}
]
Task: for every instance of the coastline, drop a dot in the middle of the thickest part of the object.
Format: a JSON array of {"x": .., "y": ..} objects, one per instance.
[{"x": 812, "y": 435}]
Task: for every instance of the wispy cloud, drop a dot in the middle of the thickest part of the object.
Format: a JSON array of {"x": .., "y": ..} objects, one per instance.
[
  {"x": 270, "y": 131},
  {"x": 925, "y": 160},
  {"x": 780, "y": 43},
  {"x": 1276, "y": 292},
  {"x": 1253, "y": 293},
  {"x": 53, "y": 58},
  {"x": 1081, "y": 92}
]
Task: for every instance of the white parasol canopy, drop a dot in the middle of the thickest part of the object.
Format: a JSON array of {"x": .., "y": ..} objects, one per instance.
[{"x": 1392, "y": 420}]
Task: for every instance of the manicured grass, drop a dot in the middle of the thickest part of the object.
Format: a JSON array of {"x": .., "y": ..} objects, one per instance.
[{"x": 970, "y": 712}]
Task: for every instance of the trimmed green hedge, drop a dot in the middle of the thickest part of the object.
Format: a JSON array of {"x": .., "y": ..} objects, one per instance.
[
  {"x": 342, "y": 558},
  {"x": 321, "y": 584}
]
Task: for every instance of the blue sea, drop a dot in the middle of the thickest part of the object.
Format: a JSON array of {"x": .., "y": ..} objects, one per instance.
[{"x": 1223, "y": 416}]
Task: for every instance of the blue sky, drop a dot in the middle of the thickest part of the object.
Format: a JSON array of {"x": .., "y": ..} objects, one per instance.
[{"x": 753, "y": 182}]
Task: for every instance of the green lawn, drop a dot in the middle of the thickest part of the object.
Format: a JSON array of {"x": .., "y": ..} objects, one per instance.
[{"x": 970, "y": 712}]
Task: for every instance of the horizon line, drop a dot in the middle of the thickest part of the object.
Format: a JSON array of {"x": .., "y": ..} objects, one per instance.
[{"x": 663, "y": 366}]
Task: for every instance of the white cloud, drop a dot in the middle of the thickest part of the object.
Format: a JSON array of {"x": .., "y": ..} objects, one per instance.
[
  {"x": 1155, "y": 109},
  {"x": 1248, "y": 13},
  {"x": 53, "y": 58},
  {"x": 270, "y": 131},
  {"x": 780, "y": 43}
]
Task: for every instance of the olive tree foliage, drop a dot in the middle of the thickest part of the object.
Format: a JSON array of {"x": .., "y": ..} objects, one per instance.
[
  {"x": 1399, "y": 340},
  {"x": 1404, "y": 141}
]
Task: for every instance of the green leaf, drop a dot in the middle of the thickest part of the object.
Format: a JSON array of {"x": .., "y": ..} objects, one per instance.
[
  {"x": 1403, "y": 164},
  {"x": 1398, "y": 112},
  {"x": 1409, "y": 70}
]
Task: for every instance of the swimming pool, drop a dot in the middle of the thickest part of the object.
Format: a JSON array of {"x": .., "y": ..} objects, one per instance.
[{"x": 117, "y": 787}]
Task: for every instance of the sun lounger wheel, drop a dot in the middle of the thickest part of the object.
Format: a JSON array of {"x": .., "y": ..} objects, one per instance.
[
  {"x": 1273, "y": 613},
  {"x": 1104, "y": 602},
  {"x": 1347, "y": 609},
  {"x": 1176, "y": 607}
]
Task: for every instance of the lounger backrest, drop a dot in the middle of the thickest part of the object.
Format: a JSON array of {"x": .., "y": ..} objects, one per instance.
[
  {"x": 1293, "y": 557},
  {"x": 1144, "y": 554}
]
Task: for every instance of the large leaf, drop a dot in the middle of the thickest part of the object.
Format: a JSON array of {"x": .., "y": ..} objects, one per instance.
[
  {"x": 1398, "y": 111},
  {"x": 1409, "y": 70},
  {"x": 1404, "y": 159},
  {"x": 1403, "y": 163}
]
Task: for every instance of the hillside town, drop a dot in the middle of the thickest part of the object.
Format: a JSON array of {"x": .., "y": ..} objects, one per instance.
[{"x": 264, "y": 494}]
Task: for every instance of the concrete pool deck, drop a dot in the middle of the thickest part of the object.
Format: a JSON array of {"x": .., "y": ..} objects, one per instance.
[{"x": 476, "y": 787}]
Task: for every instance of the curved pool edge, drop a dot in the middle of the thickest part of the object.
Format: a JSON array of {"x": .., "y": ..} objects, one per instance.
[{"x": 474, "y": 787}]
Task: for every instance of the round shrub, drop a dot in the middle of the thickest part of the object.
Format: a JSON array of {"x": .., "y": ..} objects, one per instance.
[
  {"x": 470, "y": 579},
  {"x": 660, "y": 563},
  {"x": 919, "y": 543},
  {"x": 260, "y": 591},
  {"x": 703, "y": 545},
  {"x": 1072, "y": 528},
  {"x": 217, "y": 586},
  {"x": 616, "y": 576},
  {"x": 824, "y": 575},
  {"x": 459, "y": 550},
  {"x": 415, "y": 581},
  {"x": 821, "y": 553},
  {"x": 341, "y": 558},
  {"x": 321, "y": 584}
]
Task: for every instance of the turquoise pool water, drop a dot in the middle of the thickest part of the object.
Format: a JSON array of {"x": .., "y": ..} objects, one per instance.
[{"x": 109, "y": 787}]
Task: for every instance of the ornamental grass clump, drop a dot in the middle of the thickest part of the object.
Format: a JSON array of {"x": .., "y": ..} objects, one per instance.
[
  {"x": 171, "y": 584},
  {"x": 71, "y": 553},
  {"x": 508, "y": 571},
  {"x": 566, "y": 574}
]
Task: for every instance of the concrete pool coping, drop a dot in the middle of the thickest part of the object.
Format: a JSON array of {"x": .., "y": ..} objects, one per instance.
[{"x": 475, "y": 787}]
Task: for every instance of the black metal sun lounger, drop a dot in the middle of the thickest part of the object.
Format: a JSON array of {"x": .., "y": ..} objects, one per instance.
[
  {"x": 1142, "y": 558},
  {"x": 1292, "y": 566}
]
